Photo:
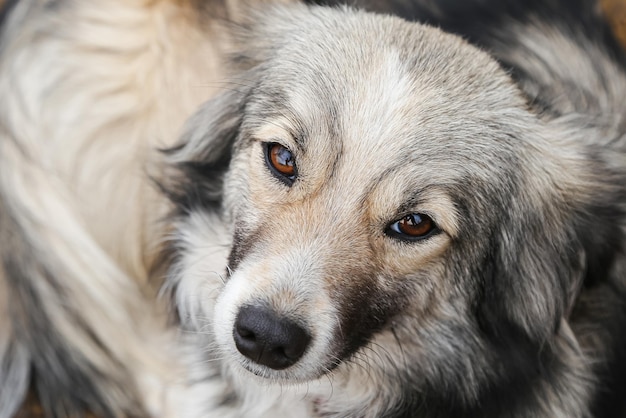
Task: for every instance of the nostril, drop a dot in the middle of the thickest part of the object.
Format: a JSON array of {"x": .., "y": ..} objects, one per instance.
[
  {"x": 268, "y": 339},
  {"x": 245, "y": 333}
]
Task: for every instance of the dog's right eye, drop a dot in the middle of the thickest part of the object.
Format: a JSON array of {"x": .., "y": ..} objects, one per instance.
[
  {"x": 412, "y": 227},
  {"x": 281, "y": 162}
]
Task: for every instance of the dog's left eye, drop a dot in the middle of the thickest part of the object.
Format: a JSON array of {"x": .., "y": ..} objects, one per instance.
[
  {"x": 281, "y": 162},
  {"x": 412, "y": 227}
]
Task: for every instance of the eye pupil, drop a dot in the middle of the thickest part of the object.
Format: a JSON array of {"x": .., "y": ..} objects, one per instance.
[{"x": 281, "y": 160}]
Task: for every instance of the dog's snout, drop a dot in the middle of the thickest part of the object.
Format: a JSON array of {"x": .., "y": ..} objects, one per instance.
[{"x": 268, "y": 339}]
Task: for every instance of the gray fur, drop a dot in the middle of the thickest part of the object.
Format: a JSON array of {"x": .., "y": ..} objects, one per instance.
[{"x": 491, "y": 317}]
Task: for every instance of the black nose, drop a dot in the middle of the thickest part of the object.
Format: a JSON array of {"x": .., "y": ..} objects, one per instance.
[{"x": 267, "y": 339}]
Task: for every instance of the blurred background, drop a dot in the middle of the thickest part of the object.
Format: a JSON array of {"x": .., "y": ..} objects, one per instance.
[{"x": 615, "y": 10}]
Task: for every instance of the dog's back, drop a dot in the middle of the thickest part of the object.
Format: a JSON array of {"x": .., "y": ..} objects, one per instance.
[{"x": 89, "y": 91}]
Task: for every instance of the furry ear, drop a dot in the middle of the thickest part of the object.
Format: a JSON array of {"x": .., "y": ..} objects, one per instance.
[
  {"x": 203, "y": 156},
  {"x": 552, "y": 241},
  {"x": 533, "y": 264},
  {"x": 530, "y": 277}
]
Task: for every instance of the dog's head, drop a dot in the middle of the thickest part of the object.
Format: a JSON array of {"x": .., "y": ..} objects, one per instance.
[{"x": 389, "y": 199}]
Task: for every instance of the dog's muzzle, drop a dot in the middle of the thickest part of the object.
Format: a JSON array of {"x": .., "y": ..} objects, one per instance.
[{"x": 267, "y": 339}]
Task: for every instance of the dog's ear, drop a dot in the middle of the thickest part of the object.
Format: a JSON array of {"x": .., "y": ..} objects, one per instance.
[
  {"x": 196, "y": 166},
  {"x": 556, "y": 235},
  {"x": 534, "y": 265}
]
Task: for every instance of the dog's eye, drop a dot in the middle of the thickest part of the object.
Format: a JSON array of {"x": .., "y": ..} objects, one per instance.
[
  {"x": 281, "y": 162},
  {"x": 413, "y": 227}
]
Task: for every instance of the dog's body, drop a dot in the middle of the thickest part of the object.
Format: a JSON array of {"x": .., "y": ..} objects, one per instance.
[
  {"x": 90, "y": 90},
  {"x": 375, "y": 219}
]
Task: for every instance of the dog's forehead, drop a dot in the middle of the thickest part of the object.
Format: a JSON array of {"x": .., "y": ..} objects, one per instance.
[
  {"x": 351, "y": 62},
  {"x": 389, "y": 89}
]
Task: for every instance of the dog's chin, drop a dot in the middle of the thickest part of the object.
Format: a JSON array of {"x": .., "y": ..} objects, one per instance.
[{"x": 295, "y": 375}]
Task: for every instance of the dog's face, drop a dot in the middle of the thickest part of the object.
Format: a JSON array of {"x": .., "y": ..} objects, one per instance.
[{"x": 390, "y": 200}]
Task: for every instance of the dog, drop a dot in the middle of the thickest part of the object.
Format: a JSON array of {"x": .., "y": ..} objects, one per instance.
[{"x": 375, "y": 218}]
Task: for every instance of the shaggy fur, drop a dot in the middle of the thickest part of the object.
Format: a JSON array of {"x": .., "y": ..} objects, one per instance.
[
  {"x": 512, "y": 305},
  {"x": 89, "y": 91}
]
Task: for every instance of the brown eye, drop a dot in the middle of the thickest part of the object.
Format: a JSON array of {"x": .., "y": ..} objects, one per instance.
[
  {"x": 281, "y": 162},
  {"x": 412, "y": 227}
]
